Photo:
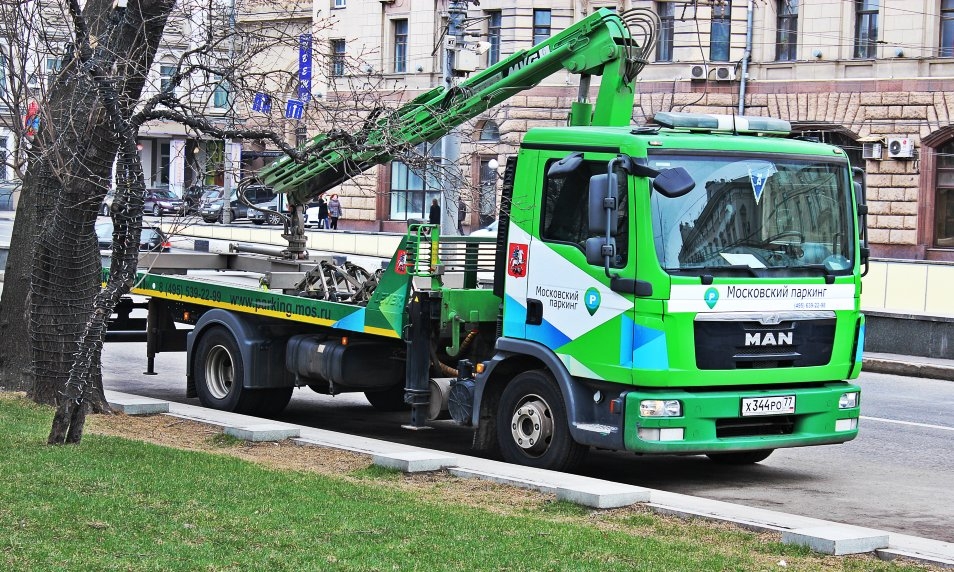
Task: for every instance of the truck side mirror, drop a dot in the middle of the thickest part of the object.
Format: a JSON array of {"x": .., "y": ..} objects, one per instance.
[
  {"x": 861, "y": 199},
  {"x": 565, "y": 166},
  {"x": 674, "y": 183},
  {"x": 598, "y": 251},
  {"x": 602, "y": 197}
]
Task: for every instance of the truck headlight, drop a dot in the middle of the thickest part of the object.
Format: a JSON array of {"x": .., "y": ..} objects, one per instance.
[
  {"x": 848, "y": 400},
  {"x": 660, "y": 408}
]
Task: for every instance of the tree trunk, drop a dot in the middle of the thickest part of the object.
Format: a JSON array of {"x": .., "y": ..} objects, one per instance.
[
  {"x": 53, "y": 314},
  {"x": 109, "y": 127},
  {"x": 16, "y": 358}
]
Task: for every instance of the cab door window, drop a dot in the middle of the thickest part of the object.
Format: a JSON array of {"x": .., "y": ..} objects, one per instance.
[{"x": 564, "y": 213}]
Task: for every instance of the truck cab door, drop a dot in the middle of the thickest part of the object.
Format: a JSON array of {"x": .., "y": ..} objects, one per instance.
[{"x": 571, "y": 308}]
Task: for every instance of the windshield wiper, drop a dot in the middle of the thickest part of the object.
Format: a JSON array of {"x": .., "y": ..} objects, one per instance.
[
  {"x": 826, "y": 271},
  {"x": 727, "y": 270}
]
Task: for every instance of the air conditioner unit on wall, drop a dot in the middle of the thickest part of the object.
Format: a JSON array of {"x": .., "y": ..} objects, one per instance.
[
  {"x": 698, "y": 71},
  {"x": 900, "y": 148},
  {"x": 725, "y": 73},
  {"x": 872, "y": 150}
]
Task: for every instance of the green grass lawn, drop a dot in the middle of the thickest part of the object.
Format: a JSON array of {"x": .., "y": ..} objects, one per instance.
[{"x": 116, "y": 504}]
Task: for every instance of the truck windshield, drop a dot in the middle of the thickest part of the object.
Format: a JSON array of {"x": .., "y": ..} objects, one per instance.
[{"x": 756, "y": 216}]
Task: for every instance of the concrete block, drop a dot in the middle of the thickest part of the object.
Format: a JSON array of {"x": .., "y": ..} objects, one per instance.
[
  {"x": 415, "y": 461},
  {"x": 579, "y": 490},
  {"x": 134, "y": 405},
  {"x": 837, "y": 540},
  {"x": 604, "y": 495},
  {"x": 264, "y": 432}
]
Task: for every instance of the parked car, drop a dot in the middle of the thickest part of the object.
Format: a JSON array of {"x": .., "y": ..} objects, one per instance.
[
  {"x": 107, "y": 202},
  {"x": 274, "y": 218},
  {"x": 162, "y": 201},
  {"x": 192, "y": 197},
  {"x": 489, "y": 230},
  {"x": 152, "y": 238},
  {"x": 212, "y": 205}
]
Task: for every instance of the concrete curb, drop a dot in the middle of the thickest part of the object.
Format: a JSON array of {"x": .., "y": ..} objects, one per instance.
[
  {"x": 909, "y": 368},
  {"x": 828, "y": 537}
]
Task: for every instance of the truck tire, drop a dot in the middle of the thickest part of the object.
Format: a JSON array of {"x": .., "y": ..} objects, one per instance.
[
  {"x": 740, "y": 458},
  {"x": 532, "y": 426},
  {"x": 391, "y": 399},
  {"x": 219, "y": 372}
]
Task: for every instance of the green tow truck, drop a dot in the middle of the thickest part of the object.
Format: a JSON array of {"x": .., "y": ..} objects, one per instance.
[{"x": 690, "y": 286}]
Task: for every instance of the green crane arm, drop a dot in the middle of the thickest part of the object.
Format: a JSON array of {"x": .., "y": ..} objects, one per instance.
[{"x": 600, "y": 44}]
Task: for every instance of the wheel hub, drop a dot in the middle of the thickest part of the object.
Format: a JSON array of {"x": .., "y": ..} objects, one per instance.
[
  {"x": 219, "y": 372},
  {"x": 532, "y": 425}
]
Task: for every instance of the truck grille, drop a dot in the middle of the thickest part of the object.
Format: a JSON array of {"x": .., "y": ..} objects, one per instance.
[
  {"x": 755, "y": 426},
  {"x": 749, "y": 344}
]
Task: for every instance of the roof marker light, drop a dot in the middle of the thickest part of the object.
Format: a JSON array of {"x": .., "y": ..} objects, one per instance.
[{"x": 748, "y": 124}]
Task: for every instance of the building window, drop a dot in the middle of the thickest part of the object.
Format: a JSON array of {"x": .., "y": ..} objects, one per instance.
[
  {"x": 3, "y": 80},
  {"x": 541, "y": 25},
  {"x": 400, "y": 46},
  {"x": 166, "y": 72},
  {"x": 489, "y": 132},
  {"x": 487, "y": 203},
  {"x": 411, "y": 193},
  {"x": 866, "y": 28},
  {"x": 493, "y": 36},
  {"x": 947, "y": 29},
  {"x": 53, "y": 66},
  {"x": 161, "y": 160},
  {"x": 720, "y": 32},
  {"x": 786, "y": 35},
  {"x": 220, "y": 95},
  {"x": 667, "y": 27},
  {"x": 339, "y": 4},
  {"x": 944, "y": 200},
  {"x": 337, "y": 58},
  {"x": 3, "y": 158}
]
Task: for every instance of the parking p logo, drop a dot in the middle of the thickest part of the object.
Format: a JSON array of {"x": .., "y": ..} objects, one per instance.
[{"x": 591, "y": 299}]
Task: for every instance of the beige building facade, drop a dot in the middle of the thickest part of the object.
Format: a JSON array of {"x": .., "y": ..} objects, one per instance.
[{"x": 873, "y": 76}]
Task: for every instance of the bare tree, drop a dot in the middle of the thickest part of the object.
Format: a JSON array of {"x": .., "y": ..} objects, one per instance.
[{"x": 101, "y": 91}]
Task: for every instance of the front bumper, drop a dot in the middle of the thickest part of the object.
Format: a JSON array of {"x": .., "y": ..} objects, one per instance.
[{"x": 712, "y": 422}]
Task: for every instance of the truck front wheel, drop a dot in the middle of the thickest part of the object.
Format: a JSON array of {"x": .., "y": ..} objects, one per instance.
[
  {"x": 532, "y": 426},
  {"x": 740, "y": 458},
  {"x": 219, "y": 372}
]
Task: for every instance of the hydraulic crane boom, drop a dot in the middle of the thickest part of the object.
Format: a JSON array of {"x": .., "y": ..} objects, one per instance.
[{"x": 600, "y": 44}]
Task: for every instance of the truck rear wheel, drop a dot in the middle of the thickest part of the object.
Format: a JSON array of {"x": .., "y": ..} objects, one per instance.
[
  {"x": 532, "y": 426},
  {"x": 219, "y": 372},
  {"x": 740, "y": 458}
]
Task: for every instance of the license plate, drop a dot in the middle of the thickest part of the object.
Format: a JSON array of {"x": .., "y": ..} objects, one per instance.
[{"x": 775, "y": 405}]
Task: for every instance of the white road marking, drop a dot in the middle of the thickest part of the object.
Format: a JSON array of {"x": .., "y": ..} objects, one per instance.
[{"x": 926, "y": 425}]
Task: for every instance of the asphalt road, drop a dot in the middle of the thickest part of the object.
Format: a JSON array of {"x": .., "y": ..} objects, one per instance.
[{"x": 895, "y": 476}]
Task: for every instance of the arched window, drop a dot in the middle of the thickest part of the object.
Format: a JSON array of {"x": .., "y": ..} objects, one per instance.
[{"x": 490, "y": 131}]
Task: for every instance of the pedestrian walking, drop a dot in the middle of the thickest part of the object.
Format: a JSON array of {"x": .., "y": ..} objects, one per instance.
[
  {"x": 461, "y": 215},
  {"x": 334, "y": 211},
  {"x": 434, "y": 215},
  {"x": 322, "y": 213}
]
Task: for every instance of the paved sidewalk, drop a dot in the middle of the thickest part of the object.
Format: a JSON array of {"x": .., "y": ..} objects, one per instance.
[
  {"x": 911, "y": 366},
  {"x": 823, "y": 536}
]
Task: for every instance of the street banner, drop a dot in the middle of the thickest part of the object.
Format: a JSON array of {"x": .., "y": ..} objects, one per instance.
[{"x": 304, "y": 67}]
